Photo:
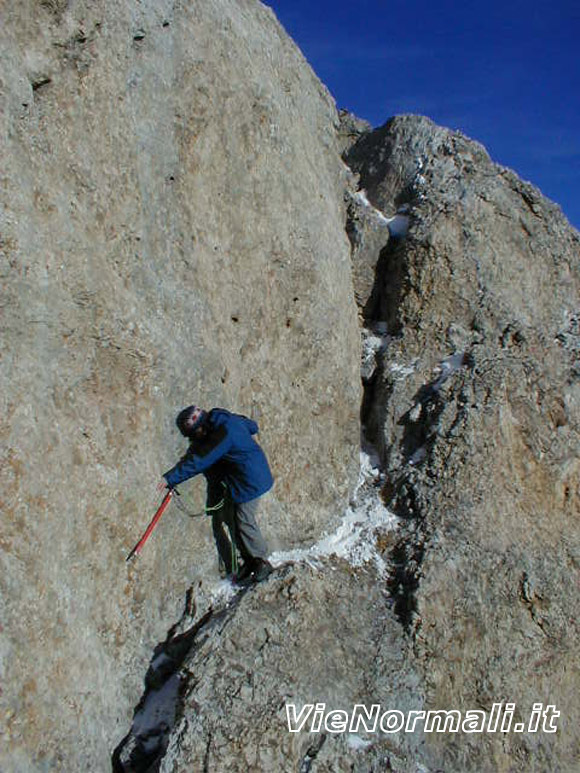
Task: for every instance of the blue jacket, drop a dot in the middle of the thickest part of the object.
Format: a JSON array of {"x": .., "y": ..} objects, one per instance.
[{"x": 228, "y": 453}]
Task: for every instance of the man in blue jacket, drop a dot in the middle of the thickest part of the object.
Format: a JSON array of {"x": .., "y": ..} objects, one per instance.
[{"x": 222, "y": 447}]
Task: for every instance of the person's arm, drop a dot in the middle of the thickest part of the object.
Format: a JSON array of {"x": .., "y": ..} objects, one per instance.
[
  {"x": 199, "y": 459},
  {"x": 250, "y": 424}
]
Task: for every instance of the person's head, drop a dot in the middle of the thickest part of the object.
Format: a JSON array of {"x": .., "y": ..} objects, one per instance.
[{"x": 190, "y": 421}]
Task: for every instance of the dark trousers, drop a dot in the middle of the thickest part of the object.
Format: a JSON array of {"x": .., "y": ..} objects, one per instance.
[{"x": 235, "y": 529}]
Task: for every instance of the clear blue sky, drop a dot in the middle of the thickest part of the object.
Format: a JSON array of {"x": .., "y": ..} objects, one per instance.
[{"x": 505, "y": 73}]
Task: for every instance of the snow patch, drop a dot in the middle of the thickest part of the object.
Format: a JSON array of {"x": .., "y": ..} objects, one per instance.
[
  {"x": 415, "y": 413},
  {"x": 569, "y": 334},
  {"x": 420, "y": 180},
  {"x": 357, "y": 743},
  {"x": 372, "y": 345},
  {"x": 418, "y": 456},
  {"x": 158, "y": 710},
  {"x": 398, "y": 224},
  {"x": 400, "y": 372},
  {"x": 355, "y": 538},
  {"x": 222, "y": 592},
  {"x": 361, "y": 196},
  {"x": 446, "y": 368}
]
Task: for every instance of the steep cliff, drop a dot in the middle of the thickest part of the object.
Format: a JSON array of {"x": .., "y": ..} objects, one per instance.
[
  {"x": 473, "y": 400},
  {"x": 172, "y": 231}
]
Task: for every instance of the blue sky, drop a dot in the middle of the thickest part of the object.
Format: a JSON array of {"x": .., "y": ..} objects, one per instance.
[{"x": 505, "y": 73}]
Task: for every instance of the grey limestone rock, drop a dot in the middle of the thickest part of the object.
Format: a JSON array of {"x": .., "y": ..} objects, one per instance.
[
  {"x": 172, "y": 231},
  {"x": 350, "y": 129},
  {"x": 322, "y": 635},
  {"x": 475, "y": 408},
  {"x": 368, "y": 231}
]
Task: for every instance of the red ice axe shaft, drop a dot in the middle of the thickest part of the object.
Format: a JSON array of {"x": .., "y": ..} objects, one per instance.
[{"x": 152, "y": 525}]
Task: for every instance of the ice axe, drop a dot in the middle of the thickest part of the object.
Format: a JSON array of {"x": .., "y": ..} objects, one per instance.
[{"x": 162, "y": 507}]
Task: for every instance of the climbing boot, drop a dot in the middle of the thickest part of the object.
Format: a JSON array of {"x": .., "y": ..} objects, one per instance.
[
  {"x": 244, "y": 573},
  {"x": 262, "y": 569}
]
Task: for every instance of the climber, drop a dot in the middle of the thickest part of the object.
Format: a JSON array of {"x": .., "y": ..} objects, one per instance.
[{"x": 237, "y": 473}]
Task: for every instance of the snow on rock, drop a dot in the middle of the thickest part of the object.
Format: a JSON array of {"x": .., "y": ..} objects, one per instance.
[
  {"x": 374, "y": 342},
  {"x": 398, "y": 224},
  {"x": 400, "y": 371},
  {"x": 361, "y": 196},
  {"x": 158, "y": 710},
  {"x": 354, "y": 540},
  {"x": 221, "y": 593},
  {"x": 357, "y": 743},
  {"x": 444, "y": 370}
]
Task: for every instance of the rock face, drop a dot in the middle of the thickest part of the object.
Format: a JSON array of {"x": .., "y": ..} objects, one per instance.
[
  {"x": 172, "y": 231},
  {"x": 254, "y": 672},
  {"x": 474, "y": 403},
  {"x": 350, "y": 129},
  {"x": 467, "y": 280},
  {"x": 273, "y": 652}
]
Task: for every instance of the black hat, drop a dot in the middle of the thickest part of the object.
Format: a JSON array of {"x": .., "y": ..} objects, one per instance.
[{"x": 189, "y": 419}]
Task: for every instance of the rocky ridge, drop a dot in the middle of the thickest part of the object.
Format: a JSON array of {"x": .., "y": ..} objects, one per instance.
[{"x": 472, "y": 397}]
